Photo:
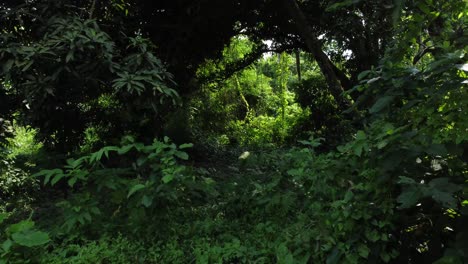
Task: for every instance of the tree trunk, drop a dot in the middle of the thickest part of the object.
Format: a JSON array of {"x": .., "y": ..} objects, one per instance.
[
  {"x": 298, "y": 65},
  {"x": 314, "y": 46}
]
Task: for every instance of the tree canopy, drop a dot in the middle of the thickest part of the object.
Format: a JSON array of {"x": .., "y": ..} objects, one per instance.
[{"x": 235, "y": 131}]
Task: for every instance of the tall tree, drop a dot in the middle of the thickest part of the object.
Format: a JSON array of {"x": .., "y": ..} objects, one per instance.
[{"x": 314, "y": 46}]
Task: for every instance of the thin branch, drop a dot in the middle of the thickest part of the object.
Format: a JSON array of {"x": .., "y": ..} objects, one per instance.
[{"x": 91, "y": 10}]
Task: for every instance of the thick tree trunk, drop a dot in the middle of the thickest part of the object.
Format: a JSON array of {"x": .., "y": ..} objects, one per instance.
[{"x": 314, "y": 46}]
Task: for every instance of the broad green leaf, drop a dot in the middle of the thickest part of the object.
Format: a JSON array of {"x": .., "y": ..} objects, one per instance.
[
  {"x": 146, "y": 201},
  {"x": 95, "y": 210},
  {"x": 409, "y": 197},
  {"x": 363, "y": 250},
  {"x": 381, "y": 104},
  {"x": 373, "y": 235},
  {"x": 182, "y": 155},
  {"x": 358, "y": 148},
  {"x": 20, "y": 227},
  {"x": 360, "y": 135},
  {"x": 167, "y": 178},
  {"x": 31, "y": 238},
  {"x": 6, "y": 245},
  {"x": 348, "y": 196},
  {"x": 444, "y": 198},
  {"x": 437, "y": 150},
  {"x": 445, "y": 185},
  {"x": 134, "y": 189}
]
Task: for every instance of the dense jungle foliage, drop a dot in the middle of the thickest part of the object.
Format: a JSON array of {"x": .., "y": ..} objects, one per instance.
[{"x": 234, "y": 131}]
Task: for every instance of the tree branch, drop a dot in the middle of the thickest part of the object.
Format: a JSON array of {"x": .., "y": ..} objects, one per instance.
[
  {"x": 237, "y": 66},
  {"x": 91, "y": 10},
  {"x": 314, "y": 46}
]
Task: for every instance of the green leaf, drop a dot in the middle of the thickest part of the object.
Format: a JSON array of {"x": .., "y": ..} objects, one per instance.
[
  {"x": 97, "y": 156},
  {"x": 30, "y": 62},
  {"x": 146, "y": 201},
  {"x": 381, "y": 104},
  {"x": 443, "y": 184},
  {"x": 385, "y": 257},
  {"x": 406, "y": 180},
  {"x": 20, "y": 227},
  {"x": 3, "y": 216},
  {"x": 423, "y": 7},
  {"x": 382, "y": 144},
  {"x": 69, "y": 56},
  {"x": 187, "y": 145},
  {"x": 31, "y": 238},
  {"x": 358, "y": 148},
  {"x": 87, "y": 216},
  {"x": 140, "y": 161},
  {"x": 363, "y": 74},
  {"x": 167, "y": 178},
  {"x": 409, "y": 197},
  {"x": 182, "y": 155},
  {"x": 6, "y": 245},
  {"x": 444, "y": 198},
  {"x": 48, "y": 174},
  {"x": 7, "y": 66},
  {"x": 57, "y": 178},
  {"x": 95, "y": 210},
  {"x": 360, "y": 135},
  {"x": 134, "y": 189},
  {"x": 363, "y": 250},
  {"x": 125, "y": 149},
  {"x": 72, "y": 181},
  {"x": 437, "y": 150},
  {"x": 373, "y": 235},
  {"x": 348, "y": 196}
]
